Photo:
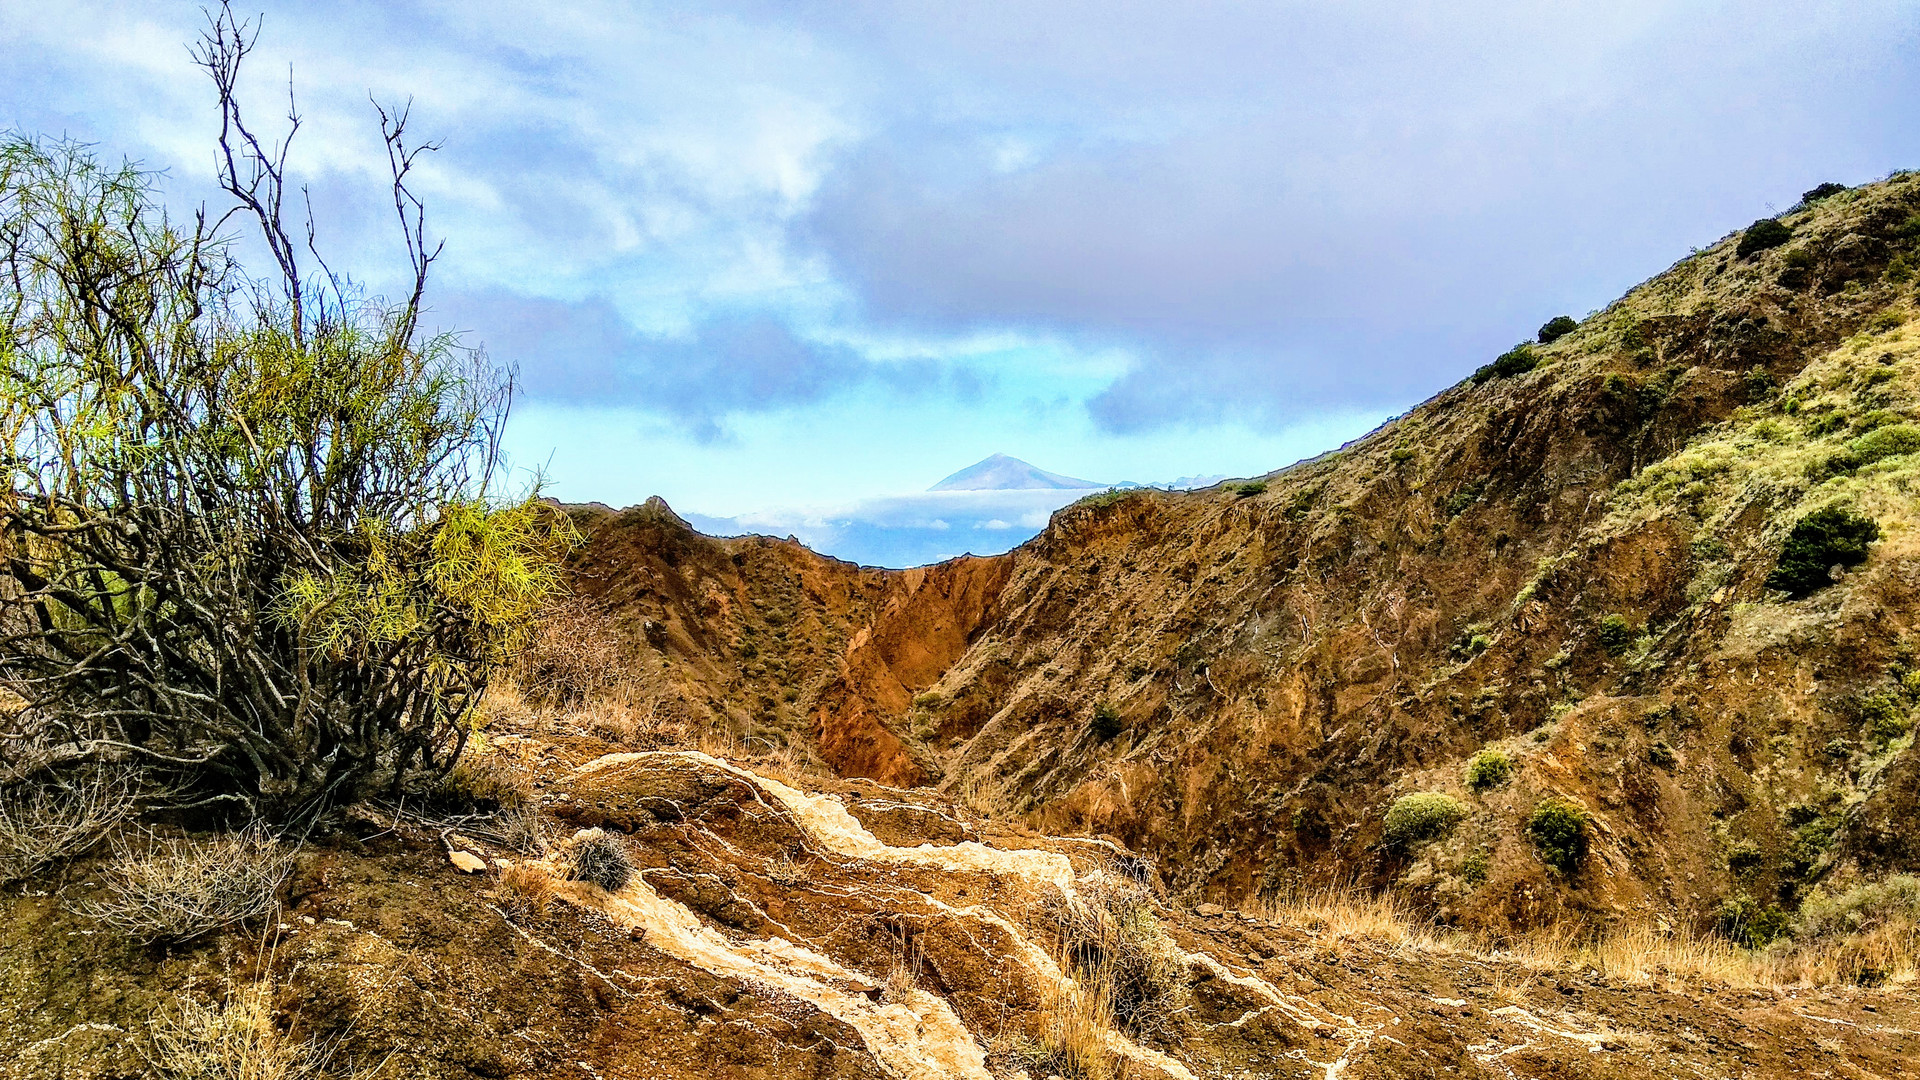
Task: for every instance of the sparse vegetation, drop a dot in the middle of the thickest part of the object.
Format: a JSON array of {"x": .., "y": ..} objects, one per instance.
[
  {"x": 1489, "y": 769},
  {"x": 1828, "y": 537},
  {"x": 1558, "y": 829},
  {"x": 485, "y": 782},
  {"x": 1250, "y": 488},
  {"x": 1104, "y": 499},
  {"x": 573, "y": 654},
  {"x": 1869, "y": 934},
  {"x": 1420, "y": 817},
  {"x": 178, "y": 889},
  {"x": 1797, "y": 268}
]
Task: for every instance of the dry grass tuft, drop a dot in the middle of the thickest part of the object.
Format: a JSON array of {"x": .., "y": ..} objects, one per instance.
[
  {"x": 46, "y": 821},
  {"x": 178, "y": 889},
  {"x": 525, "y": 891},
  {"x": 1635, "y": 953},
  {"x": 239, "y": 1040},
  {"x": 1336, "y": 915},
  {"x": 523, "y": 829},
  {"x": 1112, "y": 941},
  {"x": 1071, "y": 1041},
  {"x": 1641, "y": 953}
]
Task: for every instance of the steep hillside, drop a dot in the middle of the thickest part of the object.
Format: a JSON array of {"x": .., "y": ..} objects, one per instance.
[{"x": 1564, "y": 562}]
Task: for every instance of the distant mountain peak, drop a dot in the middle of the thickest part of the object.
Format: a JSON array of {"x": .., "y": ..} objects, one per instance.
[{"x": 998, "y": 472}]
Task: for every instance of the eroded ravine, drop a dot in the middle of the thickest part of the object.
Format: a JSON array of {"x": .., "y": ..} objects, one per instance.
[{"x": 920, "y": 1034}]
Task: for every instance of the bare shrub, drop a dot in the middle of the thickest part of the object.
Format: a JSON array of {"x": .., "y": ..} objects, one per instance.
[
  {"x": 601, "y": 858},
  {"x": 180, "y": 889},
  {"x": 236, "y": 1041},
  {"x": 574, "y": 654},
  {"x": 55, "y": 817},
  {"x": 525, "y": 891}
]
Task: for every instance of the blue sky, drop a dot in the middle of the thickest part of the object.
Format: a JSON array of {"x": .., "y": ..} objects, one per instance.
[{"x": 756, "y": 256}]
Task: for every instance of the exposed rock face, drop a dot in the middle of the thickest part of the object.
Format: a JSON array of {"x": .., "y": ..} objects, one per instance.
[{"x": 1566, "y": 565}]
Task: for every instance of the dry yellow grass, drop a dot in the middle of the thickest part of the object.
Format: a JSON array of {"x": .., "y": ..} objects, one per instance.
[
  {"x": 1335, "y": 915},
  {"x": 239, "y": 1039},
  {"x": 1071, "y": 1040},
  {"x": 1881, "y": 948},
  {"x": 525, "y": 891}
]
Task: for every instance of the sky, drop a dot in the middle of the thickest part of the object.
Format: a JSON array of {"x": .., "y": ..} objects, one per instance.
[{"x": 789, "y": 262}]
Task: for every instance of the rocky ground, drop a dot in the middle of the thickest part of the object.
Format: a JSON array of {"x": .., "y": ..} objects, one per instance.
[{"x": 827, "y": 928}]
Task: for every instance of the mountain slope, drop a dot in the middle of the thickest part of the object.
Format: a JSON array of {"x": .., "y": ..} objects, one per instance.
[
  {"x": 1565, "y": 564},
  {"x": 998, "y": 472}
]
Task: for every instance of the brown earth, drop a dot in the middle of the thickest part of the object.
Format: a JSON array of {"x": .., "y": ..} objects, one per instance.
[
  {"x": 1277, "y": 668},
  {"x": 859, "y": 931}
]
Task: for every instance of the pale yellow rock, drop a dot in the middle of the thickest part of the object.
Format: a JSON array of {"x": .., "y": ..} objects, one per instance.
[{"x": 466, "y": 862}]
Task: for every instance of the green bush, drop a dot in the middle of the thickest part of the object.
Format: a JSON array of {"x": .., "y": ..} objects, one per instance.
[
  {"x": 1417, "y": 818},
  {"x": 1515, "y": 361},
  {"x": 1885, "y": 442},
  {"x": 1910, "y": 228},
  {"x": 1468, "y": 494},
  {"x": 255, "y": 524},
  {"x": 1863, "y": 907},
  {"x": 1822, "y": 191},
  {"x": 1761, "y": 235},
  {"x": 1828, "y": 537},
  {"x": 1751, "y": 924},
  {"x": 1556, "y": 328},
  {"x": 1558, "y": 829},
  {"x": 1615, "y": 634},
  {"x": 1885, "y": 716},
  {"x": 1900, "y": 270},
  {"x": 1250, "y": 488},
  {"x": 1489, "y": 768},
  {"x": 1478, "y": 867},
  {"x": 1106, "y": 723}
]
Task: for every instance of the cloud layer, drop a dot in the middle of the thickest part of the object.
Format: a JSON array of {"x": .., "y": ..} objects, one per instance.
[{"x": 1236, "y": 215}]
